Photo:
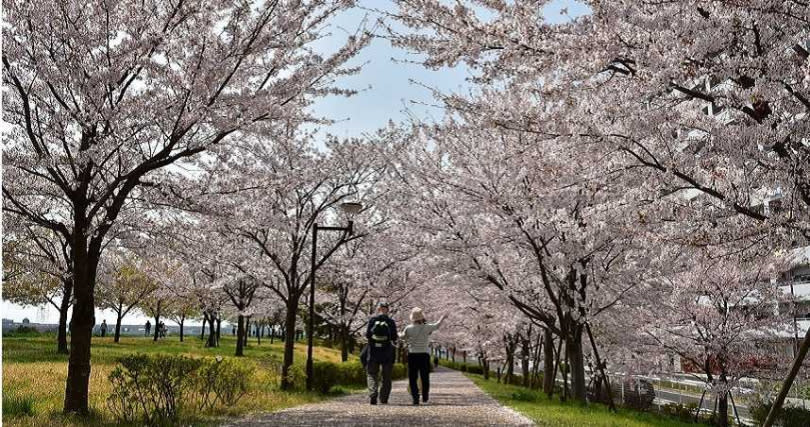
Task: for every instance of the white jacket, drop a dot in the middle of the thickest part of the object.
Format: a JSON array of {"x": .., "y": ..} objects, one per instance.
[{"x": 418, "y": 336}]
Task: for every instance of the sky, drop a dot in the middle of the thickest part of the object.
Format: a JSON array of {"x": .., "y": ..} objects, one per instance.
[{"x": 390, "y": 89}]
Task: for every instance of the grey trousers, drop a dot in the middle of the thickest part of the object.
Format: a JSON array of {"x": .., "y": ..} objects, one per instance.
[{"x": 374, "y": 369}]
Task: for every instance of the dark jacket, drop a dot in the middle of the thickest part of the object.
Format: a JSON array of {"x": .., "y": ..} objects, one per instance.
[{"x": 382, "y": 353}]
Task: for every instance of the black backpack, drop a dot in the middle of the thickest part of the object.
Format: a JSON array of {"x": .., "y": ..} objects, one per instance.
[{"x": 380, "y": 331}]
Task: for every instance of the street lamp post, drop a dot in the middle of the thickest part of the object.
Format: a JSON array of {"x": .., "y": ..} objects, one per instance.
[{"x": 350, "y": 208}]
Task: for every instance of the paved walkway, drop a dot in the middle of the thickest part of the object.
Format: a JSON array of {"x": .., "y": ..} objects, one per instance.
[{"x": 454, "y": 401}]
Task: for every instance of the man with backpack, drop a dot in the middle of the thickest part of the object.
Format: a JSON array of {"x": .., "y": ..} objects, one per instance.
[{"x": 381, "y": 334}]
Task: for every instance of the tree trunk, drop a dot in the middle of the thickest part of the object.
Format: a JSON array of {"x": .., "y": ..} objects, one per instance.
[
  {"x": 538, "y": 348},
  {"x": 344, "y": 343},
  {"x": 118, "y": 319},
  {"x": 81, "y": 324},
  {"x": 157, "y": 322},
  {"x": 722, "y": 410},
  {"x": 212, "y": 335},
  {"x": 510, "y": 361},
  {"x": 289, "y": 343},
  {"x": 565, "y": 369},
  {"x": 481, "y": 361},
  {"x": 182, "y": 321},
  {"x": 245, "y": 331},
  {"x": 240, "y": 336},
  {"x": 525, "y": 353},
  {"x": 202, "y": 329},
  {"x": 219, "y": 324},
  {"x": 573, "y": 347},
  {"x": 259, "y": 333},
  {"x": 794, "y": 371},
  {"x": 61, "y": 337},
  {"x": 556, "y": 365}
]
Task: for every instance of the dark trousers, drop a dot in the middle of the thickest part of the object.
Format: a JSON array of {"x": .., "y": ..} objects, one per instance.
[
  {"x": 377, "y": 369},
  {"x": 419, "y": 367}
]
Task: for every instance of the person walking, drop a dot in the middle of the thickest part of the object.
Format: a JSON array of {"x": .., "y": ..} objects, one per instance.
[
  {"x": 381, "y": 334},
  {"x": 417, "y": 336},
  {"x": 103, "y": 328},
  {"x": 146, "y": 328}
]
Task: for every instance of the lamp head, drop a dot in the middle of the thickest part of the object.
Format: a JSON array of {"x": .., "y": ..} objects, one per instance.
[{"x": 351, "y": 208}]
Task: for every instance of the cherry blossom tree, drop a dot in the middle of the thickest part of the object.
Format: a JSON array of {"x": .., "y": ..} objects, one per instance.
[
  {"x": 718, "y": 314},
  {"x": 181, "y": 308},
  {"x": 259, "y": 202},
  {"x": 101, "y": 98},
  {"x": 341, "y": 303},
  {"x": 37, "y": 270},
  {"x": 707, "y": 97},
  {"x": 241, "y": 292},
  {"x": 297, "y": 187},
  {"x": 122, "y": 286},
  {"x": 379, "y": 267},
  {"x": 551, "y": 233}
]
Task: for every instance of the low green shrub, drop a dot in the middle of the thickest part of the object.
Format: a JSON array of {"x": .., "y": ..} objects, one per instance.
[
  {"x": 23, "y": 331},
  {"x": 684, "y": 413},
  {"x": 525, "y": 395},
  {"x": 18, "y": 406},
  {"x": 337, "y": 390},
  {"x": 154, "y": 389},
  {"x": 463, "y": 367},
  {"x": 475, "y": 369},
  {"x": 221, "y": 382},
  {"x": 150, "y": 387},
  {"x": 296, "y": 372},
  {"x": 787, "y": 416},
  {"x": 327, "y": 374}
]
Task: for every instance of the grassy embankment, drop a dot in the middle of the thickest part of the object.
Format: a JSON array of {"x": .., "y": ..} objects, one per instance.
[
  {"x": 551, "y": 412},
  {"x": 34, "y": 376}
]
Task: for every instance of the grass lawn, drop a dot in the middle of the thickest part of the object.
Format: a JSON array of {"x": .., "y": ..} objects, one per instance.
[
  {"x": 552, "y": 412},
  {"x": 34, "y": 372}
]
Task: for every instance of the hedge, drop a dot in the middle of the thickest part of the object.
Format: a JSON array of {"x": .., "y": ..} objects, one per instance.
[
  {"x": 463, "y": 367},
  {"x": 327, "y": 374}
]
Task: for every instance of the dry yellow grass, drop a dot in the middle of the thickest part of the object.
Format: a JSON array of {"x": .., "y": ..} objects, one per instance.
[{"x": 32, "y": 368}]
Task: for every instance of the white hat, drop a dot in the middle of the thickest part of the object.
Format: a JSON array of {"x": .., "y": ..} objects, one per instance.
[{"x": 416, "y": 314}]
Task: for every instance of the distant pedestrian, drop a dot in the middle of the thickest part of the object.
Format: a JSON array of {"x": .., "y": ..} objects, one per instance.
[
  {"x": 233, "y": 330},
  {"x": 103, "y": 328},
  {"x": 147, "y": 328},
  {"x": 162, "y": 330},
  {"x": 435, "y": 361},
  {"x": 417, "y": 335},
  {"x": 381, "y": 334}
]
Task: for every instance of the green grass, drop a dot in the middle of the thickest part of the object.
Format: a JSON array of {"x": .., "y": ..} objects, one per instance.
[
  {"x": 551, "y": 412},
  {"x": 18, "y": 406},
  {"x": 34, "y": 374}
]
